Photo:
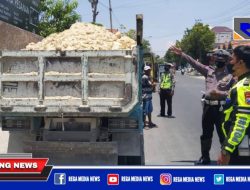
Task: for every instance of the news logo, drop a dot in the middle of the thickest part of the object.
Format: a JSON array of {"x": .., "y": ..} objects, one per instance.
[
  {"x": 60, "y": 179},
  {"x": 241, "y": 28},
  {"x": 218, "y": 179},
  {"x": 113, "y": 179},
  {"x": 166, "y": 179}
]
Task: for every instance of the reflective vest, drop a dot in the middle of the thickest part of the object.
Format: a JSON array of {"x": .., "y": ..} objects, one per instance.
[
  {"x": 166, "y": 82},
  {"x": 237, "y": 115}
]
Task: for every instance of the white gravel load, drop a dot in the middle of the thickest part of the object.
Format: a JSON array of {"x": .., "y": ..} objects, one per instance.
[{"x": 84, "y": 36}]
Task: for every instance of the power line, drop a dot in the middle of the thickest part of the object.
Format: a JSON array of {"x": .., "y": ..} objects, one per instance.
[
  {"x": 123, "y": 5},
  {"x": 236, "y": 6},
  {"x": 128, "y": 5},
  {"x": 238, "y": 9},
  {"x": 226, "y": 19},
  {"x": 116, "y": 18},
  {"x": 106, "y": 7},
  {"x": 103, "y": 5}
]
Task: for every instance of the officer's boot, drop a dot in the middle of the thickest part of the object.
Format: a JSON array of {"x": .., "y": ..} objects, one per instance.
[{"x": 205, "y": 148}]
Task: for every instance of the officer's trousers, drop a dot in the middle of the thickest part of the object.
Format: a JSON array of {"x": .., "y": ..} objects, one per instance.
[
  {"x": 166, "y": 95},
  {"x": 211, "y": 116}
]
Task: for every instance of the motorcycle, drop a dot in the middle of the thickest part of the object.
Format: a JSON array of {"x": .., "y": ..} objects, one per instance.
[{"x": 182, "y": 71}]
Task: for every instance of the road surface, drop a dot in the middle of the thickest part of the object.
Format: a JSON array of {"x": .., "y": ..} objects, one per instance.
[{"x": 176, "y": 141}]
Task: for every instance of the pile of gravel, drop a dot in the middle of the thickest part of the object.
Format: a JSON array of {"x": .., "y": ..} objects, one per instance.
[{"x": 84, "y": 36}]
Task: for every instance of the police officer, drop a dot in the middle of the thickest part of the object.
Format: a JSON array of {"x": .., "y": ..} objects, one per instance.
[
  {"x": 237, "y": 109},
  {"x": 166, "y": 90},
  {"x": 218, "y": 82}
]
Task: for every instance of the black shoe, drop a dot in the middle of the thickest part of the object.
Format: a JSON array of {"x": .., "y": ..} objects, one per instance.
[
  {"x": 203, "y": 161},
  {"x": 160, "y": 115},
  {"x": 171, "y": 116},
  {"x": 151, "y": 125}
]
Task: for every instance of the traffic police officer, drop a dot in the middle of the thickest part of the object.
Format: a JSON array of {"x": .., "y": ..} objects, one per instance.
[
  {"x": 237, "y": 109},
  {"x": 218, "y": 82},
  {"x": 166, "y": 90}
]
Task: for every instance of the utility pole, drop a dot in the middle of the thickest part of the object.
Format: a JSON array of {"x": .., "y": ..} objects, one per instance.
[
  {"x": 94, "y": 9},
  {"x": 110, "y": 16}
]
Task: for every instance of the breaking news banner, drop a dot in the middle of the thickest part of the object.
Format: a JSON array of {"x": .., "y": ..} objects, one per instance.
[
  {"x": 241, "y": 28},
  {"x": 34, "y": 173},
  {"x": 13, "y": 168}
]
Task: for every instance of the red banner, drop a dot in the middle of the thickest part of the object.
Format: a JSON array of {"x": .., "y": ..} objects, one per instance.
[{"x": 23, "y": 165}]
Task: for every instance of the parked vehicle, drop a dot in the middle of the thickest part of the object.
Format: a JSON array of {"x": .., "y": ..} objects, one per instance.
[{"x": 82, "y": 106}]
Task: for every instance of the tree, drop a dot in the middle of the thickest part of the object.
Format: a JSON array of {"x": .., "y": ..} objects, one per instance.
[
  {"x": 94, "y": 4},
  {"x": 159, "y": 60},
  {"x": 169, "y": 57},
  {"x": 198, "y": 41},
  {"x": 145, "y": 43},
  {"x": 56, "y": 16},
  {"x": 172, "y": 58}
]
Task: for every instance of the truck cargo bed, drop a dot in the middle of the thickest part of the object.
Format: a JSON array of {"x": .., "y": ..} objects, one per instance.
[{"x": 75, "y": 83}]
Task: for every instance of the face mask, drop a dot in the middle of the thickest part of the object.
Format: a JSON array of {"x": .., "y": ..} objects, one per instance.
[
  {"x": 230, "y": 68},
  {"x": 166, "y": 69},
  {"x": 220, "y": 64}
]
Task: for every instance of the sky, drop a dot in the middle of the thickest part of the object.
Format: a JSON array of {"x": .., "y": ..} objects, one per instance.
[{"x": 165, "y": 20}]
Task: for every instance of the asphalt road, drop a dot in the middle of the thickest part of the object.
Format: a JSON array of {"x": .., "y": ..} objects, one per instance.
[{"x": 176, "y": 141}]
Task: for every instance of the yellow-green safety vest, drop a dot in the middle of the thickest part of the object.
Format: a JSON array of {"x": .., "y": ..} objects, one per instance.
[
  {"x": 237, "y": 114},
  {"x": 166, "y": 82}
]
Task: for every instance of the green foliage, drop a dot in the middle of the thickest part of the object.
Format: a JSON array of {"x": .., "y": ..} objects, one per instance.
[
  {"x": 56, "y": 16},
  {"x": 145, "y": 43},
  {"x": 131, "y": 33},
  {"x": 198, "y": 41},
  {"x": 159, "y": 60},
  {"x": 170, "y": 57}
]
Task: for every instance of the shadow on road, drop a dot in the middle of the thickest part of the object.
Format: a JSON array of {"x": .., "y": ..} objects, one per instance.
[
  {"x": 16, "y": 139},
  {"x": 213, "y": 162},
  {"x": 149, "y": 128}
]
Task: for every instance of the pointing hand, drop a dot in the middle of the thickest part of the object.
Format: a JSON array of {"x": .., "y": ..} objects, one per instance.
[{"x": 175, "y": 50}]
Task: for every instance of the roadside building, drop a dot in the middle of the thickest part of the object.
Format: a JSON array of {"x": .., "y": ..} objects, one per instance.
[{"x": 223, "y": 36}]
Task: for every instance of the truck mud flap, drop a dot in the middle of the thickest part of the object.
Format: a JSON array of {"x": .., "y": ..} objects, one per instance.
[{"x": 74, "y": 153}]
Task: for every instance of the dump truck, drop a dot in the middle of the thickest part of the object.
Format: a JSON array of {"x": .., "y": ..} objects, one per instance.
[{"x": 80, "y": 107}]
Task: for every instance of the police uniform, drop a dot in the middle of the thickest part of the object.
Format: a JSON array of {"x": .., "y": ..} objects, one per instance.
[
  {"x": 166, "y": 89},
  {"x": 237, "y": 119},
  {"x": 221, "y": 81}
]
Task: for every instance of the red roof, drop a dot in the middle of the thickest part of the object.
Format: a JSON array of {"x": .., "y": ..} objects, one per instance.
[
  {"x": 220, "y": 29},
  {"x": 236, "y": 43},
  {"x": 113, "y": 30}
]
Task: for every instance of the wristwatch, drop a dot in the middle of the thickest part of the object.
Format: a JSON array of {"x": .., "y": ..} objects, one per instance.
[{"x": 225, "y": 153}]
